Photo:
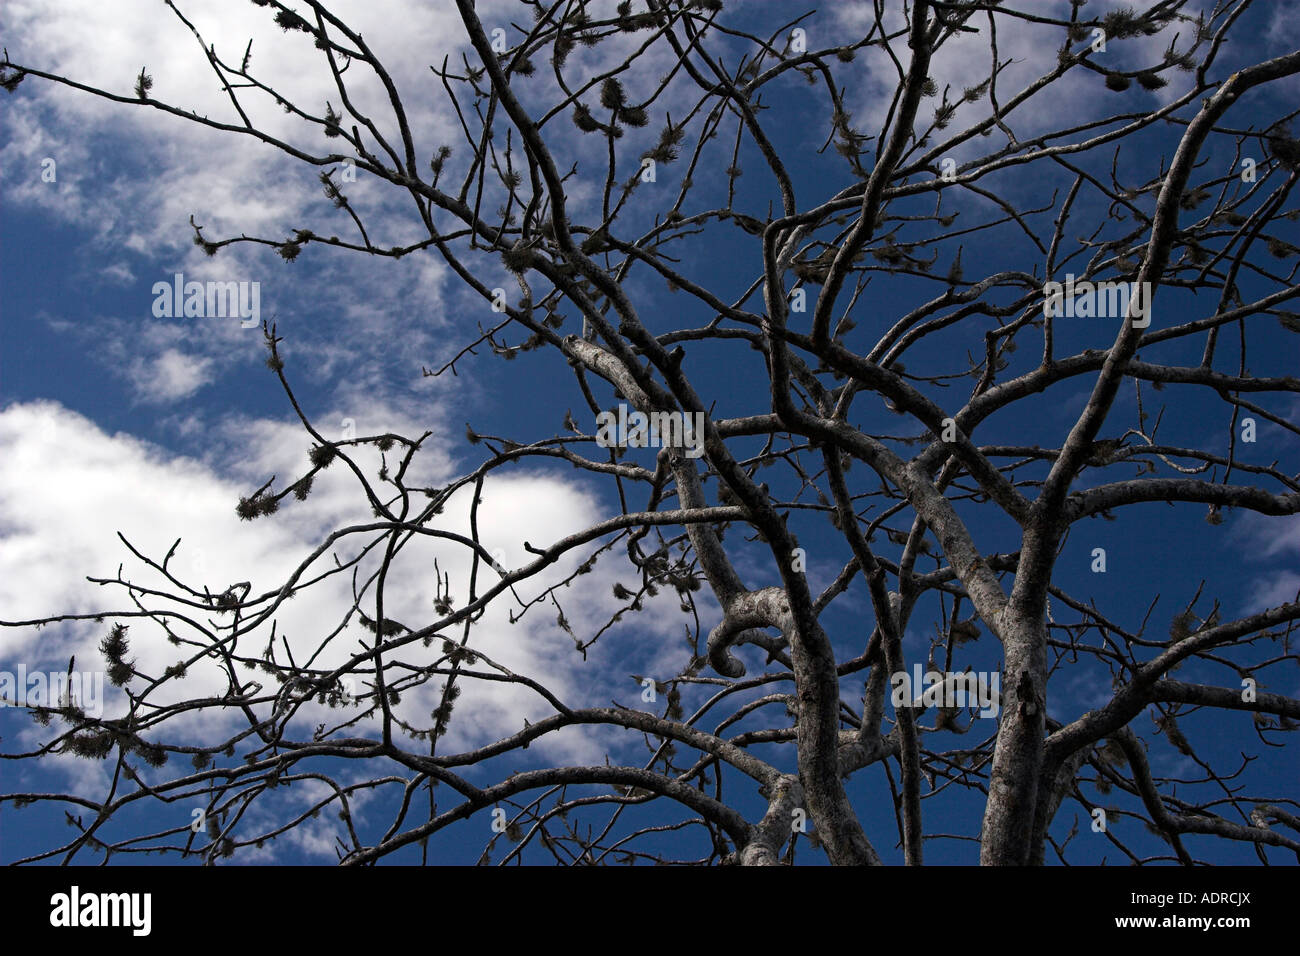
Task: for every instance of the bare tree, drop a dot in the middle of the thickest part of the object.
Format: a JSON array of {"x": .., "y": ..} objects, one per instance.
[{"x": 1164, "y": 206}]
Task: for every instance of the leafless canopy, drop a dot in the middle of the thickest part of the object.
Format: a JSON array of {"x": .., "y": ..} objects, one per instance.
[{"x": 892, "y": 473}]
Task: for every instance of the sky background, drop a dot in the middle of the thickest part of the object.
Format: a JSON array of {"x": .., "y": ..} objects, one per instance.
[{"x": 115, "y": 422}]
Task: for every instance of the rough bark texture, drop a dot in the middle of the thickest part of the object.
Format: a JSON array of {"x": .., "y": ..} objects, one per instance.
[{"x": 901, "y": 479}]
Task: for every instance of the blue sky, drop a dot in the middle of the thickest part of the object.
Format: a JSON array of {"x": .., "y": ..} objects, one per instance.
[{"x": 113, "y": 420}]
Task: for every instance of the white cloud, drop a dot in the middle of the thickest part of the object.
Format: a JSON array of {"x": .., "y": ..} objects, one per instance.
[
  {"x": 170, "y": 376},
  {"x": 130, "y": 179},
  {"x": 69, "y": 488}
]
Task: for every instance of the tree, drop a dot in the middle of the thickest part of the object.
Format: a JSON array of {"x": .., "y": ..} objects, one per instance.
[{"x": 757, "y": 420}]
